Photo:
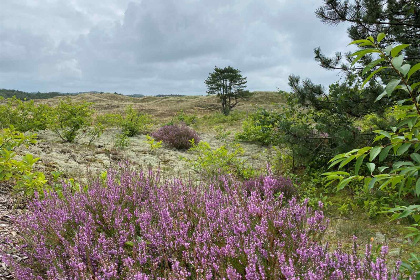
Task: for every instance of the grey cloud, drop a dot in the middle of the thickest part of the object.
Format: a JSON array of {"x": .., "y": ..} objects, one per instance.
[{"x": 151, "y": 46}]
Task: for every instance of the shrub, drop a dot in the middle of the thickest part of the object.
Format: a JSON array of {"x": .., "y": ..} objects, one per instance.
[
  {"x": 182, "y": 117},
  {"x": 134, "y": 123},
  {"x": 260, "y": 127},
  {"x": 18, "y": 172},
  {"x": 279, "y": 185},
  {"x": 223, "y": 160},
  {"x": 24, "y": 115},
  {"x": 70, "y": 117},
  {"x": 132, "y": 226},
  {"x": 176, "y": 136}
]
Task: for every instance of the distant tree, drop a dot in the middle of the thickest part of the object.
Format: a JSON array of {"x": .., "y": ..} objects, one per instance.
[{"x": 228, "y": 84}]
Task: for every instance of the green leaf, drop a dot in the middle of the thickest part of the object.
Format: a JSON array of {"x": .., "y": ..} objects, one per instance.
[
  {"x": 398, "y": 164},
  {"x": 344, "y": 183},
  {"x": 372, "y": 74},
  {"x": 358, "y": 164},
  {"x": 390, "y": 87},
  {"x": 415, "y": 157},
  {"x": 418, "y": 187},
  {"x": 360, "y": 41},
  {"x": 382, "y": 168},
  {"x": 404, "y": 69},
  {"x": 371, "y": 65},
  {"x": 395, "y": 51},
  {"x": 413, "y": 69},
  {"x": 371, "y": 167},
  {"x": 384, "y": 153},
  {"x": 413, "y": 86},
  {"x": 372, "y": 183},
  {"x": 361, "y": 53},
  {"x": 404, "y": 147},
  {"x": 384, "y": 133},
  {"x": 339, "y": 156},
  {"x": 344, "y": 162},
  {"x": 381, "y": 96},
  {"x": 388, "y": 50},
  {"x": 380, "y": 37},
  {"x": 397, "y": 61},
  {"x": 374, "y": 152}
]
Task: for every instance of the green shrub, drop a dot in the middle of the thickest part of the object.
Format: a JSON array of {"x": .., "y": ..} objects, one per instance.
[
  {"x": 223, "y": 160},
  {"x": 393, "y": 164},
  {"x": 18, "y": 172},
  {"x": 121, "y": 141},
  {"x": 70, "y": 118},
  {"x": 134, "y": 123},
  {"x": 260, "y": 127},
  {"x": 24, "y": 115},
  {"x": 182, "y": 117},
  {"x": 154, "y": 145},
  {"x": 109, "y": 120}
]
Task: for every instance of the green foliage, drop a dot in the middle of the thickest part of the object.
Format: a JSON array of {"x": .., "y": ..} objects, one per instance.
[
  {"x": 154, "y": 145},
  {"x": 260, "y": 127},
  {"x": 19, "y": 171},
  {"x": 221, "y": 133},
  {"x": 24, "y": 115},
  {"x": 182, "y": 117},
  {"x": 95, "y": 132},
  {"x": 121, "y": 141},
  {"x": 228, "y": 84},
  {"x": 312, "y": 136},
  {"x": 223, "y": 160},
  {"x": 11, "y": 93},
  {"x": 109, "y": 120},
  {"x": 70, "y": 118},
  {"x": 217, "y": 119},
  {"x": 392, "y": 165},
  {"x": 134, "y": 123},
  {"x": 399, "y": 19}
]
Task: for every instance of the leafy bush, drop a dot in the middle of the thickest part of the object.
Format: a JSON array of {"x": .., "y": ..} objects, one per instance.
[
  {"x": 176, "y": 136},
  {"x": 121, "y": 141},
  {"x": 260, "y": 127},
  {"x": 182, "y": 117},
  {"x": 132, "y": 226},
  {"x": 18, "y": 172},
  {"x": 393, "y": 164},
  {"x": 219, "y": 118},
  {"x": 223, "y": 160},
  {"x": 70, "y": 117},
  {"x": 109, "y": 120},
  {"x": 134, "y": 123},
  {"x": 154, "y": 145},
  {"x": 24, "y": 115}
]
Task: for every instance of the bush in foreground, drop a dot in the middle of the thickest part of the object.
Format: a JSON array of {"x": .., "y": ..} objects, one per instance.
[
  {"x": 177, "y": 136},
  {"x": 132, "y": 226}
]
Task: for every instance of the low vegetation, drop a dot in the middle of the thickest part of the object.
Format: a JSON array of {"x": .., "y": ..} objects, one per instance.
[{"x": 260, "y": 193}]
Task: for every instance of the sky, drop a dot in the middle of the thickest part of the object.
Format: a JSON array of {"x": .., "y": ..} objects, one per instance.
[{"x": 161, "y": 46}]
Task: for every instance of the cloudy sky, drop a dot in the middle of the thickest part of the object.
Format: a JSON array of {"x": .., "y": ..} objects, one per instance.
[{"x": 160, "y": 46}]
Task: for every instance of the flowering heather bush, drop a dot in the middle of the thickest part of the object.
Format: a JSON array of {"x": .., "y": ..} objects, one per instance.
[
  {"x": 279, "y": 185},
  {"x": 132, "y": 226},
  {"x": 176, "y": 136}
]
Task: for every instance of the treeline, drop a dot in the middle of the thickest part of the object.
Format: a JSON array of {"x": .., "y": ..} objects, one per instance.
[{"x": 9, "y": 93}]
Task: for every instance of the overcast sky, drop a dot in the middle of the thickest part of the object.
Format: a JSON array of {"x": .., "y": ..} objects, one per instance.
[{"x": 160, "y": 46}]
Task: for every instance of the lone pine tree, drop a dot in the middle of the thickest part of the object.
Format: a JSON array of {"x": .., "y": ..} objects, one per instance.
[{"x": 228, "y": 84}]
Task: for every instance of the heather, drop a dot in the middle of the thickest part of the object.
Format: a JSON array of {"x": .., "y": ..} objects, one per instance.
[
  {"x": 177, "y": 136},
  {"x": 134, "y": 225}
]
